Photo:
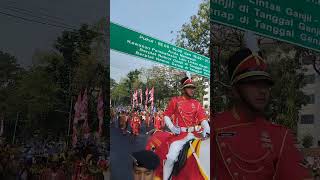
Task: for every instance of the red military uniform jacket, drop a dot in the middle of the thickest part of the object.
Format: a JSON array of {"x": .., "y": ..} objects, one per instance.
[
  {"x": 135, "y": 124},
  {"x": 187, "y": 112},
  {"x": 253, "y": 150}
]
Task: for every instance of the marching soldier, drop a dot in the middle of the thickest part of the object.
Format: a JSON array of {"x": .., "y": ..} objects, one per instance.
[
  {"x": 188, "y": 114},
  {"x": 246, "y": 145}
]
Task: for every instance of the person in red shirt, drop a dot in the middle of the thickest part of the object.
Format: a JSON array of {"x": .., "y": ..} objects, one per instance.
[
  {"x": 135, "y": 124},
  {"x": 188, "y": 115},
  {"x": 147, "y": 119},
  {"x": 158, "y": 122},
  {"x": 246, "y": 145}
]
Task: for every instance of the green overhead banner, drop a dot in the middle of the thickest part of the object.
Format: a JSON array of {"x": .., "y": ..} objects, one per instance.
[
  {"x": 292, "y": 21},
  {"x": 127, "y": 41}
]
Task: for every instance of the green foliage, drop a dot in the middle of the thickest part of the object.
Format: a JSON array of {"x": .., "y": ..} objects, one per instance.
[
  {"x": 10, "y": 72},
  {"x": 195, "y": 35},
  {"x": 287, "y": 96},
  {"x": 42, "y": 94},
  {"x": 165, "y": 80}
]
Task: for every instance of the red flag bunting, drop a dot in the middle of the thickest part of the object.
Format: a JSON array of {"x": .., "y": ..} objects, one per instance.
[{"x": 100, "y": 112}]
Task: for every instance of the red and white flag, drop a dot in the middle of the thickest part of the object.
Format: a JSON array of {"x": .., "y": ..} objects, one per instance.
[
  {"x": 141, "y": 100},
  {"x": 135, "y": 97},
  {"x": 77, "y": 109},
  {"x": 100, "y": 111},
  {"x": 151, "y": 94},
  {"x": 146, "y": 101},
  {"x": 132, "y": 104},
  {"x": 84, "y": 113}
]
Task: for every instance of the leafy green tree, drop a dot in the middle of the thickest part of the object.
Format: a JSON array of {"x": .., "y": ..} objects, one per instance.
[
  {"x": 195, "y": 35},
  {"x": 10, "y": 72},
  {"x": 120, "y": 94},
  {"x": 287, "y": 95},
  {"x": 36, "y": 93},
  {"x": 113, "y": 83}
]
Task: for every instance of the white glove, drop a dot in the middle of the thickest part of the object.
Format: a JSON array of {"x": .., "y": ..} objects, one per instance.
[
  {"x": 173, "y": 128},
  {"x": 206, "y": 128}
]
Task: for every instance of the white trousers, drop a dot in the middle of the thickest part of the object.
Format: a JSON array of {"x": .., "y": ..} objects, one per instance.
[{"x": 173, "y": 154}]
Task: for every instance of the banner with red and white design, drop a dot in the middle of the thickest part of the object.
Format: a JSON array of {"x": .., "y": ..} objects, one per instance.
[
  {"x": 151, "y": 94},
  {"x": 141, "y": 99},
  {"x": 77, "y": 110},
  {"x": 84, "y": 113},
  {"x": 146, "y": 101},
  {"x": 149, "y": 98},
  {"x": 100, "y": 112},
  {"x": 135, "y": 101}
]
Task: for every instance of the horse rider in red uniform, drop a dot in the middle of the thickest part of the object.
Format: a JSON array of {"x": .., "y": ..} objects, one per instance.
[
  {"x": 135, "y": 124},
  {"x": 246, "y": 144},
  {"x": 188, "y": 114}
]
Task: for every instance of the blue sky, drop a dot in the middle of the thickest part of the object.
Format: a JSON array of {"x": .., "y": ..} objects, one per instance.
[
  {"x": 22, "y": 38},
  {"x": 152, "y": 17}
]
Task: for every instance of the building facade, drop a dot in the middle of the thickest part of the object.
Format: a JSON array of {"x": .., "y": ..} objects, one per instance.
[{"x": 309, "y": 122}]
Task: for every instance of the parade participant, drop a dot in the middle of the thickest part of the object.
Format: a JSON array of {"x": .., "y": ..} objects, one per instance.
[
  {"x": 112, "y": 115},
  {"x": 123, "y": 122},
  {"x": 53, "y": 172},
  {"x": 143, "y": 116},
  {"x": 135, "y": 124},
  {"x": 144, "y": 164},
  {"x": 104, "y": 167},
  {"x": 246, "y": 145},
  {"x": 147, "y": 120},
  {"x": 188, "y": 114},
  {"x": 158, "y": 121}
]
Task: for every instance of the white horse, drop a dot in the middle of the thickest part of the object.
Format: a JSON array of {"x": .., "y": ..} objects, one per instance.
[{"x": 204, "y": 156}]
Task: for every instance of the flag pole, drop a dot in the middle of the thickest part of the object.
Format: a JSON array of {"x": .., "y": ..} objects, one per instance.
[
  {"x": 70, "y": 115},
  {"x": 15, "y": 128}
]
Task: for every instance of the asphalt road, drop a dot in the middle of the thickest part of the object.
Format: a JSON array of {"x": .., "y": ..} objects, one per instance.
[{"x": 121, "y": 148}]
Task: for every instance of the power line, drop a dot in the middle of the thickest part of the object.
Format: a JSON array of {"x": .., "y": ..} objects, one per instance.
[
  {"x": 39, "y": 8},
  {"x": 45, "y": 16},
  {"x": 36, "y": 21},
  {"x": 28, "y": 11},
  {"x": 52, "y": 23},
  {"x": 31, "y": 14}
]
